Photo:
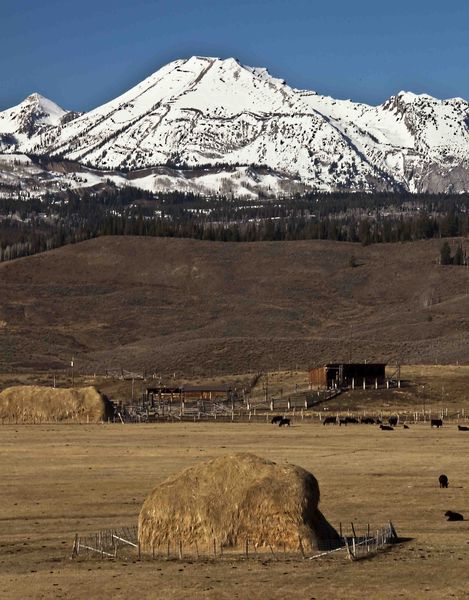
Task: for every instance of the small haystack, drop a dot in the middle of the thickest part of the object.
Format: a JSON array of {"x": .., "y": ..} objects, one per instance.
[
  {"x": 37, "y": 404},
  {"x": 234, "y": 498}
]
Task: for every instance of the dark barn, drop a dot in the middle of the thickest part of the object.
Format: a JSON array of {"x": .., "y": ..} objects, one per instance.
[{"x": 347, "y": 375}]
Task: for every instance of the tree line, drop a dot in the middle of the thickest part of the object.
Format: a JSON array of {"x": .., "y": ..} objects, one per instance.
[{"x": 29, "y": 226}]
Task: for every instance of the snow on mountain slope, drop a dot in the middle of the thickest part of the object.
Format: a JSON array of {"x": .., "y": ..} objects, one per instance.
[
  {"x": 209, "y": 111},
  {"x": 204, "y": 112},
  {"x": 409, "y": 136},
  {"x": 25, "y": 125}
]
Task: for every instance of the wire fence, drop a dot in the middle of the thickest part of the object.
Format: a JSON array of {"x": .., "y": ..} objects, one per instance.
[
  {"x": 370, "y": 544},
  {"x": 105, "y": 543},
  {"x": 114, "y": 543}
]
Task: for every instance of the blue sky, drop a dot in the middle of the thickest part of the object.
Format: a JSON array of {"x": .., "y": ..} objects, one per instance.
[{"x": 81, "y": 54}]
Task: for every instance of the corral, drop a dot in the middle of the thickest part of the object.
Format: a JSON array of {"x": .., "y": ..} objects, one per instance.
[
  {"x": 58, "y": 480},
  {"x": 186, "y": 393}
]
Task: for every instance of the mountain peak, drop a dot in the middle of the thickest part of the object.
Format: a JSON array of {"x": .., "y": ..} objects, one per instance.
[
  {"x": 201, "y": 112},
  {"x": 44, "y": 109}
]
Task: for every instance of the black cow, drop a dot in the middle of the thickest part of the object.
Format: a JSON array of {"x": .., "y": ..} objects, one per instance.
[
  {"x": 367, "y": 420},
  {"x": 352, "y": 420},
  {"x": 276, "y": 419},
  {"x": 463, "y": 428},
  {"x": 386, "y": 427},
  {"x": 443, "y": 479},
  {"x": 436, "y": 423},
  {"x": 283, "y": 422},
  {"x": 406, "y": 426},
  {"x": 453, "y": 516},
  {"x": 393, "y": 421},
  {"x": 330, "y": 421}
]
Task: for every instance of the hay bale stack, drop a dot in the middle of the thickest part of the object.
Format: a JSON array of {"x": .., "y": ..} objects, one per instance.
[
  {"x": 38, "y": 404},
  {"x": 234, "y": 498}
]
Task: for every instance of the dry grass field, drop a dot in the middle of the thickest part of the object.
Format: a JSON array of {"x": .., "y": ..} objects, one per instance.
[
  {"x": 203, "y": 308},
  {"x": 58, "y": 480}
]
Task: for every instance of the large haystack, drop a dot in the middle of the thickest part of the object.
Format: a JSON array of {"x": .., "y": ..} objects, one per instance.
[
  {"x": 37, "y": 404},
  {"x": 234, "y": 498}
]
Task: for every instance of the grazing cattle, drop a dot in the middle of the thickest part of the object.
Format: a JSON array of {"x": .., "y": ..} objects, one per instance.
[
  {"x": 393, "y": 421},
  {"x": 453, "y": 516},
  {"x": 463, "y": 428},
  {"x": 406, "y": 426},
  {"x": 276, "y": 419},
  {"x": 367, "y": 420},
  {"x": 436, "y": 423},
  {"x": 283, "y": 422},
  {"x": 352, "y": 420},
  {"x": 443, "y": 479},
  {"x": 330, "y": 421},
  {"x": 386, "y": 427},
  {"x": 343, "y": 421}
]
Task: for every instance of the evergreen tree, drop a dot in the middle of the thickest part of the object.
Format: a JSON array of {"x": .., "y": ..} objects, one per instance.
[
  {"x": 458, "y": 258},
  {"x": 445, "y": 254}
]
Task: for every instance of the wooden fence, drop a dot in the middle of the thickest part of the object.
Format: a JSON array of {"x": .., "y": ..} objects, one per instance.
[
  {"x": 105, "y": 543},
  {"x": 371, "y": 543},
  {"x": 111, "y": 543}
]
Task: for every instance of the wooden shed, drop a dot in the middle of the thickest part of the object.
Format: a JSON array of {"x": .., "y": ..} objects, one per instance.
[{"x": 347, "y": 374}]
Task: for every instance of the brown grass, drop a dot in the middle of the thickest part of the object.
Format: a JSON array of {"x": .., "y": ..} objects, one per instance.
[
  {"x": 200, "y": 308},
  {"x": 37, "y": 404},
  {"x": 58, "y": 480},
  {"x": 235, "y": 498}
]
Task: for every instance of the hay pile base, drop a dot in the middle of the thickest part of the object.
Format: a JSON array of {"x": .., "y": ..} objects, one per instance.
[
  {"x": 37, "y": 404},
  {"x": 234, "y": 498}
]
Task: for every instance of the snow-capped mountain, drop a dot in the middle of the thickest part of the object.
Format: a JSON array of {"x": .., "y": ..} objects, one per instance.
[
  {"x": 24, "y": 126},
  {"x": 217, "y": 126}
]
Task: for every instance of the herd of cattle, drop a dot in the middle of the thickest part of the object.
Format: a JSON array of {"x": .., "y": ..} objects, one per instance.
[{"x": 392, "y": 422}]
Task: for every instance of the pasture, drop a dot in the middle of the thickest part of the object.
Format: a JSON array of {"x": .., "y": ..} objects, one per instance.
[{"x": 61, "y": 479}]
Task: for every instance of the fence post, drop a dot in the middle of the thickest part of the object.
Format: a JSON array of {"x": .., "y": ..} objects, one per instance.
[
  {"x": 75, "y": 547},
  {"x": 246, "y": 548},
  {"x": 393, "y": 531},
  {"x": 273, "y": 553},
  {"x": 348, "y": 549},
  {"x": 302, "y": 550}
]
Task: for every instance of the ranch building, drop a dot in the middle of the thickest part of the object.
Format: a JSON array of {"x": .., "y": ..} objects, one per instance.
[
  {"x": 189, "y": 393},
  {"x": 334, "y": 375}
]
